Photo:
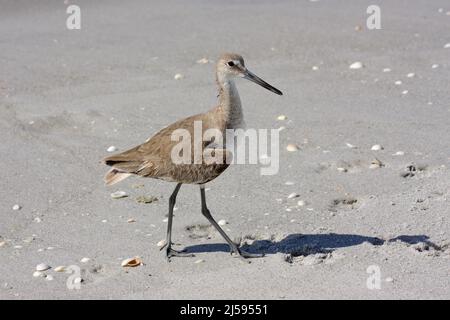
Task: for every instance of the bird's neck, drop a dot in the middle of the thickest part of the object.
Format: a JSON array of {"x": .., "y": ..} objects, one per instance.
[{"x": 230, "y": 103}]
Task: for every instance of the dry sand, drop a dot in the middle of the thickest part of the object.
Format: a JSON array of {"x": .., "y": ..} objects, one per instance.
[{"x": 66, "y": 96}]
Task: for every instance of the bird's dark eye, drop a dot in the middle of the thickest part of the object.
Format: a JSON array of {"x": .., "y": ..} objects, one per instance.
[{"x": 230, "y": 63}]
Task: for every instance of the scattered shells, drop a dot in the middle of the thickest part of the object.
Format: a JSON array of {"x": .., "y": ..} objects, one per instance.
[
  {"x": 161, "y": 243},
  {"x": 16, "y": 207},
  {"x": 386, "y": 70},
  {"x": 178, "y": 76},
  {"x": 292, "y": 147},
  {"x": 301, "y": 203},
  {"x": 411, "y": 75},
  {"x": 222, "y": 222},
  {"x": 281, "y": 117},
  {"x": 85, "y": 260},
  {"x": 398, "y": 82},
  {"x": 356, "y": 65},
  {"x": 42, "y": 267},
  {"x": 376, "y": 147},
  {"x": 37, "y": 274},
  {"x": 202, "y": 61},
  {"x": 199, "y": 261},
  {"x": 119, "y": 194},
  {"x": 146, "y": 199},
  {"x": 293, "y": 195},
  {"x": 111, "y": 149},
  {"x": 60, "y": 269},
  {"x": 132, "y": 262}
]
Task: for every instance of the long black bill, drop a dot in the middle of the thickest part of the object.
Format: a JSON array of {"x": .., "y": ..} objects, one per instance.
[{"x": 250, "y": 76}]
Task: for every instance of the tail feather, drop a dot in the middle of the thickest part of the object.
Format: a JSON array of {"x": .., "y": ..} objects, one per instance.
[{"x": 114, "y": 176}]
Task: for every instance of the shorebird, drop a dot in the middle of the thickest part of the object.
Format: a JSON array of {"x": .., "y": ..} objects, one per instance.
[{"x": 153, "y": 158}]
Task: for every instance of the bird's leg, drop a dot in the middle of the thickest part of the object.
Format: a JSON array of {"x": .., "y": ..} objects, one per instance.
[
  {"x": 168, "y": 245},
  {"x": 234, "y": 248}
]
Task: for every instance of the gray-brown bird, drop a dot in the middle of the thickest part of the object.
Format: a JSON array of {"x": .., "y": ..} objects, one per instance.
[{"x": 154, "y": 158}]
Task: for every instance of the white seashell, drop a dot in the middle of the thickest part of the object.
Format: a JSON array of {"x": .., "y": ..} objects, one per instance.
[
  {"x": 398, "y": 82},
  {"x": 281, "y": 128},
  {"x": 119, "y": 194},
  {"x": 18, "y": 247},
  {"x": 16, "y": 207},
  {"x": 315, "y": 68},
  {"x": 434, "y": 66},
  {"x": 60, "y": 269},
  {"x": 281, "y": 117},
  {"x": 132, "y": 262},
  {"x": 49, "y": 277},
  {"x": 222, "y": 222},
  {"x": 77, "y": 280},
  {"x": 85, "y": 260},
  {"x": 165, "y": 219},
  {"x": 292, "y": 147},
  {"x": 447, "y": 46},
  {"x": 111, "y": 149},
  {"x": 386, "y": 70},
  {"x": 376, "y": 147},
  {"x": 293, "y": 195},
  {"x": 131, "y": 220},
  {"x": 399, "y": 153},
  {"x": 2, "y": 243},
  {"x": 37, "y": 274},
  {"x": 199, "y": 261},
  {"x": 389, "y": 279},
  {"x": 37, "y": 220},
  {"x": 356, "y": 65},
  {"x": 161, "y": 243},
  {"x": 411, "y": 75},
  {"x": 178, "y": 76},
  {"x": 301, "y": 203},
  {"x": 405, "y": 92},
  {"x": 350, "y": 146},
  {"x": 340, "y": 169},
  {"x": 289, "y": 183},
  {"x": 42, "y": 267}
]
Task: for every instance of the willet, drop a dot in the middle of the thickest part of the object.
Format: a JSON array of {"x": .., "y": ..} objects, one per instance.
[{"x": 154, "y": 157}]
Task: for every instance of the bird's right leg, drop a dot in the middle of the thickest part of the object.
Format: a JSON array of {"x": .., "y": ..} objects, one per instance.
[{"x": 168, "y": 245}]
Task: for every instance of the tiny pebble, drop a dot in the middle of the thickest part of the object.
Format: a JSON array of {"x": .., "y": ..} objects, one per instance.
[
  {"x": 16, "y": 207},
  {"x": 281, "y": 117},
  {"x": 84, "y": 260},
  {"x": 111, "y": 149},
  {"x": 292, "y": 147},
  {"x": 293, "y": 195},
  {"x": 376, "y": 147},
  {"x": 356, "y": 65},
  {"x": 42, "y": 267},
  {"x": 119, "y": 194},
  {"x": 178, "y": 76}
]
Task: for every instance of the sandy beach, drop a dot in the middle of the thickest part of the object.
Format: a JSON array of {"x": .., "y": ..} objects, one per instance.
[{"x": 342, "y": 219}]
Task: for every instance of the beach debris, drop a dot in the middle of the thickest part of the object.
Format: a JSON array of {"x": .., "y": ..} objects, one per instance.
[
  {"x": 447, "y": 46},
  {"x": 131, "y": 220},
  {"x": 37, "y": 274},
  {"x": 411, "y": 75},
  {"x": 199, "y": 261},
  {"x": 398, "y": 82},
  {"x": 77, "y": 280},
  {"x": 399, "y": 153},
  {"x": 146, "y": 199},
  {"x": 315, "y": 68},
  {"x": 131, "y": 262},
  {"x": 222, "y": 222},
  {"x": 356, "y": 65},
  {"x": 85, "y": 260},
  {"x": 203, "y": 61},
  {"x": 178, "y": 76},
  {"x": 405, "y": 92},
  {"x": 161, "y": 243},
  {"x": 350, "y": 145},
  {"x": 289, "y": 183},
  {"x": 375, "y": 164},
  {"x": 340, "y": 169},
  {"x": 111, "y": 149},
  {"x": 281, "y": 117},
  {"x": 301, "y": 203},
  {"x": 37, "y": 220},
  {"x": 387, "y": 70},
  {"x": 293, "y": 195},
  {"x": 60, "y": 269},
  {"x": 18, "y": 247},
  {"x": 2, "y": 243},
  {"x": 16, "y": 207},
  {"x": 389, "y": 279},
  {"x": 119, "y": 194},
  {"x": 434, "y": 66},
  {"x": 49, "y": 277},
  {"x": 358, "y": 28},
  {"x": 292, "y": 147},
  {"x": 42, "y": 267},
  {"x": 376, "y": 147}
]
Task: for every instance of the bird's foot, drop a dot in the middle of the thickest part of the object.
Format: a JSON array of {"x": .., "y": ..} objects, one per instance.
[
  {"x": 245, "y": 255},
  {"x": 174, "y": 253}
]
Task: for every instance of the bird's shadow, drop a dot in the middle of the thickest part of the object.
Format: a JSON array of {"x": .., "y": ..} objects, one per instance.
[{"x": 306, "y": 244}]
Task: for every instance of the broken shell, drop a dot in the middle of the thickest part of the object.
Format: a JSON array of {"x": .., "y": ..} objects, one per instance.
[
  {"x": 315, "y": 68},
  {"x": 222, "y": 222},
  {"x": 77, "y": 280},
  {"x": 292, "y": 147},
  {"x": 405, "y": 92},
  {"x": 119, "y": 194},
  {"x": 293, "y": 195},
  {"x": 447, "y": 45},
  {"x": 350, "y": 145},
  {"x": 42, "y": 267},
  {"x": 376, "y": 147},
  {"x": 60, "y": 269},
  {"x": 376, "y": 164},
  {"x": 356, "y": 65},
  {"x": 434, "y": 66},
  {"x": 340, "y": 169},
  {"x": 111, "y": 149},
  {"x": 399, "y": 153},
  {"x": 16, "y": 207},
  {"x": 132, "y": 262}
]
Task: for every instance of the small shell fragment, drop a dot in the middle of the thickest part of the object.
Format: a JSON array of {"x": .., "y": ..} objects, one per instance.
[
  {"x": 350, "y": 145},
  {"x": 178, "y": 76},
  {"x": 131, "y": 220},
  {"x": 16, "y": 207},
  {"x": 375, "y": 164},
  {"x": 376, "y": 147},
  {"x": 111, "y": 149},
  {"x": 203, "y": 61},
  {"x": 293, "y": 195},
  {"x": 77, "y": 280},
  {"x": 49, "y": 277},
  {"x": 292, "y": 147},
  {"x": 447, "y": 46},
  {"x": 399, "y": 153},
  {"x": 386, "y": 70},
  {"x": 60, "y": 269},
  {"x": 405, "y": 92},
  {"x": 281, "y": 117},
  {"x": 301, "y": 203},
  {"x": 356, "y": 65},
  {"x": 37, "y": 274},
  {"x": 119, "y": 194},
  {"x": 146, "y": 199},
  {"x": 411, "y": 75},
  {"x": 222, "y": 222},
  {"x": 434, "y": 66},
  {"x": 42, "y": 267},
  {"x": 199, "y": 261},
  {"x": 398, "y": 82},
  {"x": 131, "y": 262},
  {"x": 161, "y": 243},
  {"x": 85, "y": 260},
  {"x": 340, "y": 169},
  {"x": 315, "y": 68}
]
